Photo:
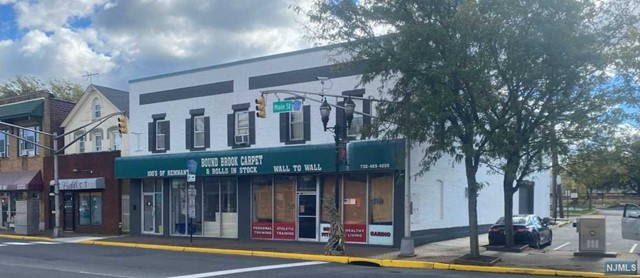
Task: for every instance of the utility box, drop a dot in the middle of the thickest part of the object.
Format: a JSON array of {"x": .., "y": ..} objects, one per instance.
[
  {"x": 27, "y": 219},
  {"x": 592, "y": 236}
]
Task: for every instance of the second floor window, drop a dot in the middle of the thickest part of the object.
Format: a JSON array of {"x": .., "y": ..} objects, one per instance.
[
  {"x": 3, "y": 143},
  {"x": 296, "y": 128},
  {"x": 161, "y": 134},
  {"x": 242, "y": 127},
  {"x": 81, "y": 143},
  {"x": 97, "y": 136},
  {"x": 357, "y": 122},
  {"x": 198, "y": 132},
  {"x": 116, "y": 140},
  {"x": 27, "y": 146}
]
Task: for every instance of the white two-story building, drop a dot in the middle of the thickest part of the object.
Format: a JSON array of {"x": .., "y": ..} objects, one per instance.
[{"x": 201, "y": 162}]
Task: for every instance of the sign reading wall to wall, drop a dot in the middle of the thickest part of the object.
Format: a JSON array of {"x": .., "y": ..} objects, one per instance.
[{"x": 366, "y": 155}]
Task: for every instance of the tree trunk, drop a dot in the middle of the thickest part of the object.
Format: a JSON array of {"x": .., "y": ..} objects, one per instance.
[
  {"x": 471, "y": 169},
  {"x": 590, "y": 197},
  {"x": 560, "y": 203},
  {"x": 508, "y": 189}
]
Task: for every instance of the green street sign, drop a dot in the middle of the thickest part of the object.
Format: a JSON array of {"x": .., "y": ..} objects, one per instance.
[{"x": 287, "y": 106}]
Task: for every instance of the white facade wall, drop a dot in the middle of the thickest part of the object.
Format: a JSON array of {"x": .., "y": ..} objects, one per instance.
[{"x": 430, "y": 210}]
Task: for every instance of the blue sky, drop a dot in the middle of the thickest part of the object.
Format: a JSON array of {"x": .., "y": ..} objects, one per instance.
[{"x": 123, "y": 40}]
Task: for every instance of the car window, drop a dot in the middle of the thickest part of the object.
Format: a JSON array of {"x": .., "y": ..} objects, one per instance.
[{"x": 520, "y": 220}]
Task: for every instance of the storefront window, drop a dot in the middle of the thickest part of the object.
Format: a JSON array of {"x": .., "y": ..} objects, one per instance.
[
  {"x": 381, "y": 208},
  {"x": 285, "y": 204},
  {"x": 220, "y": 208},
  {"x": 262, "y": 209},
  {"x": 90, "y": 208},
  {"x": 355, "y": 207},
  {"x": 184, "y": 206},
  {"x": 381, "y": 199},
  {"x": 328, "y": 197}
]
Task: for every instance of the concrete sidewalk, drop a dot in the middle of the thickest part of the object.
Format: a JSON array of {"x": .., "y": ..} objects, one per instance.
[{"x": 437, "y": 255}]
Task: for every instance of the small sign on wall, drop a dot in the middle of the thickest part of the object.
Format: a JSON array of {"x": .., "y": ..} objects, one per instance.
[
  {"x": 355, "y": 232},
  {"x": 261, "y": 230}
]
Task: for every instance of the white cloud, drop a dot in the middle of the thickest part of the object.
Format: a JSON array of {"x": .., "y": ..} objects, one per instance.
[
  {"x": 131, "y": 39},
  {"x": 50, "y": 15}
]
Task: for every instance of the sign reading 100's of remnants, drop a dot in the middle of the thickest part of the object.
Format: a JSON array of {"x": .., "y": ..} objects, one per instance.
[{"x": 287, "y": 106}]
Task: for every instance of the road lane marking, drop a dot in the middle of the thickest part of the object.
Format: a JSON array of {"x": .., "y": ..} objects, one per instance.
[
  {"x": 633, "y": 248},
  {"x": 248, "y": 269},
  {"x": 555, "y": 249},
  {"x": 46, "y": 242},
  {"x": 18, "y": 243}
]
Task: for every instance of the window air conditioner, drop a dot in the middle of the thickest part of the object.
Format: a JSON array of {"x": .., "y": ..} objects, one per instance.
[{"x": 242, "y": 139}]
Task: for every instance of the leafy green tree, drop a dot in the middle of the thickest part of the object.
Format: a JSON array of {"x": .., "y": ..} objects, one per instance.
[
  {"x": 23, "y": 84},
  {"x": 549, "y": 62},
  {"x": 432, "y": 70},
  {"x": 485, "y": 81}
]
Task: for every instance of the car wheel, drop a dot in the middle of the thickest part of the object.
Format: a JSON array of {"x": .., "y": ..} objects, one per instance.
[{"x": 535, "y": 242}]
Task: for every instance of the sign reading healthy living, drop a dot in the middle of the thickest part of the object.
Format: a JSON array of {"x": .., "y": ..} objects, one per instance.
[{"x": 287, "y": 106}]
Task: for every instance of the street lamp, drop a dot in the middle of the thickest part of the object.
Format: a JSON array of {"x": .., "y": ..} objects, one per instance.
[{"x": 335, "y": 245}]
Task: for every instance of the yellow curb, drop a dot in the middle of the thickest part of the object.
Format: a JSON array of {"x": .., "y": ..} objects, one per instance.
[
  {"x": 530, "y": 271},
  {"x": 108, "y": 243},
  {"x": 407, "y": 264},
  {"x": 40, "y": 238},
  {"x": 578, "y": 273},
  {"x": 365, "y": 260},
  {"x": 160, "y": 247},
  {"x": 218, "y": 251},
  {"x": 441, "y": 266},
  {"x": 310, "y": 257}
]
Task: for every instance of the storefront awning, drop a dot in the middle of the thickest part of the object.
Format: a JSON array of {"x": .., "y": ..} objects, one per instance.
[
  {"x": 21, "y": 180},
  {"x": 361, "y": 156},
  {"x": 80, "y": 184}
]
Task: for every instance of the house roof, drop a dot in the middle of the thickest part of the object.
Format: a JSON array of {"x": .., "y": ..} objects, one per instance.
[
  {"x": 23, "y": 109},
  {"x": 119, "y": 98}
]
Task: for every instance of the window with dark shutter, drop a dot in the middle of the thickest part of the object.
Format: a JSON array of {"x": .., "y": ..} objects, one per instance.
[
  {"x": 241, "y": 126},
  {"x": 159, "y": 134},
  {"x": 295, "y": 127},
  {"x": 197, "y": 130}
]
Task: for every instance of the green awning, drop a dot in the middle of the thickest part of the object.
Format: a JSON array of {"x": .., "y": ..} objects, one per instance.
[
  {"x": 361, "y": 156},
  {"x": 25, "y": 109}
]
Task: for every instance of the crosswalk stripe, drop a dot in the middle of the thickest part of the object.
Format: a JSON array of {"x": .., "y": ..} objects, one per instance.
[
  {"x": 46, "y": 242},
  {"x": 18, "y": 243}
]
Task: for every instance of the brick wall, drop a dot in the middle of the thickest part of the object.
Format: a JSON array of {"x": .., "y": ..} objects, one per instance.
[{"x": 101, "y": 165}]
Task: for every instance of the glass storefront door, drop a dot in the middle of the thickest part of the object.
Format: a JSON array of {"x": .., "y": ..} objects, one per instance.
[
  {"x": 307, "y": 215},
  {"x": 152, "y": 207},
  {"x": 4, "y": 212},
  {"x": 149, "y": 211}
]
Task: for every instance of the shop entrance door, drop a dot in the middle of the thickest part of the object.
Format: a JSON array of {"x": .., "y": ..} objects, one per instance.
[
  {"x": 307, "y": 215},
  {"x": 4, "y": 212},
  {"x": 149, "y": 213},
  {"x": 69, "y": 211}
]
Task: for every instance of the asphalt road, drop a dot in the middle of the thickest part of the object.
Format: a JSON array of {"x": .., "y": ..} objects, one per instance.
[
  {"x": 566, "y": 238},
  {"x": 52, "y": 260}
]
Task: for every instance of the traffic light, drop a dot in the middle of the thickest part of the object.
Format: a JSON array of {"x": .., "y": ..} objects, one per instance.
[
  {"x": 260, "y": 107},
  {"x": 122, "y": 124}
]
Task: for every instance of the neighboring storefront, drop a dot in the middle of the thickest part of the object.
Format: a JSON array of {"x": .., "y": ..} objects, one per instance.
[
  {"x": 17, "y": 186},
  {"x": 89, "y": 193},
  {"x": 268, "y": 194}
]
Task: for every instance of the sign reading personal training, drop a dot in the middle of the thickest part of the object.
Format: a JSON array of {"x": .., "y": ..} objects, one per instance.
[{"x": 282, "y": 160}]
